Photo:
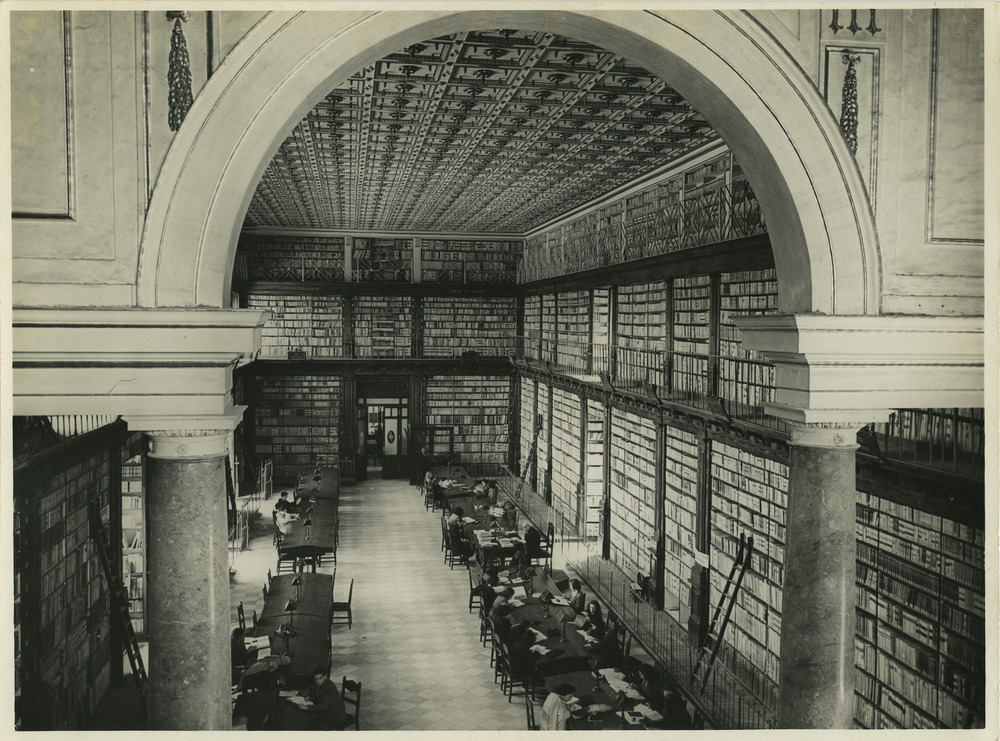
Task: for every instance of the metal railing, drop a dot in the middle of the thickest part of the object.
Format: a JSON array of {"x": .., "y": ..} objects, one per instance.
[
  {"x": 738, "y": 387},
  {"x": 726, "y": 213},
  {"x": 725, "y": 702},
  {"x": 248, "y": 508},
  {"x": 951, "y": 440}
]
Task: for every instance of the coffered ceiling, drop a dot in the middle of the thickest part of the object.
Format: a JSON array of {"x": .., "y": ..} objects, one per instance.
[{"x": 484, "y": 131}]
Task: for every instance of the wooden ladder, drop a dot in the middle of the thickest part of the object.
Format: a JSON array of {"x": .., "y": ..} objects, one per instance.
[
  {"x": 539, "y": 423},
  {"x": 119, "y": 606},
  {"x": 709, "y": 649}
]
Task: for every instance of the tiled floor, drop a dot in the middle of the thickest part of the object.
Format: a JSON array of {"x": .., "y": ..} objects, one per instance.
[{"x": 414, "y": 644}]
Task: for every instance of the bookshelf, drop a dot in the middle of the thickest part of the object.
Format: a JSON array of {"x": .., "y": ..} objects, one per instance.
[
  {"x": 454, "y": 325},
  {"x": 311, "y": 323},
  {"x": 296, "y": 421},
  {"x": 633, "y": 485},
  {"x": 492, "y": 262},
  {"x": 382, "y": 260},
  {"x": 920, "y": 646},
  {"x": 573, "y": 327},
  {"x": 290, "y": 258},
  {"x": 545, "y": 437},
  {"x": 383, "y": 326},
  {"x": 66, "y": 629},
  {"x": 642, "y": 318},
  {"x": 601, "y": 316},
  {"x": 477, "y": 408},
  {"x": 594, "y": 468},
  {"x": 743, "y": 376},
  {"x": 750, "y": 495},
  {"x": 134, "y": 542},
  {"x": 692, "y": 297},
  {"x": 548, "y": 328},
  {"x": 680, "y": 514},
  {"x": 566, "y": 463},
  {"x": 528, "y": 390}
]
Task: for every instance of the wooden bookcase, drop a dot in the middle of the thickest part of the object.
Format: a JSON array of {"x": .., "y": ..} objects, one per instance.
[
  {"x": 921, "y": 630},
  {"x": 574, "y": 328},
  {"x": 383, "y": 326},
  {"x": 750, "y": 495},
  {"x": 680, "y": 509},
  {"x": 477, "y": 408},
  {"x": 745, "y": 293},
  {"x": 134, "y": 542},
  {"x": 490, "y": 262},
  {"x": 633, "y": 485},
  {"x": 566, "y": 463},
  {"x": 296, "y": 421},
  {"x": 454, "y": 325},
  {"x": 311, "y": 323},
  {"x": 594, "y": 468}
]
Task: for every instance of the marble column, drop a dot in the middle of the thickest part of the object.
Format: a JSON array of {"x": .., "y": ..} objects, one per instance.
[
  {"x": 187, "y": 581},
  {"x": 817, "y": 620}
]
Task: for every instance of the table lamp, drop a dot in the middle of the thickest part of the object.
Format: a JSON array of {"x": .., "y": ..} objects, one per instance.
[
  {"x": 290, "y": 607},
  {"x": 297, "y": 582},
  {"x": 562, "y": 621},
  {"x": 309, "y": 527}
]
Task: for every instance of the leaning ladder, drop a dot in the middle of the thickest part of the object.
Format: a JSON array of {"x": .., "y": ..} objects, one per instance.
[
  {"x": 539, "y": 423},
  {"x": 709, "y": 649},
  {"x": 119, "y": 604}
]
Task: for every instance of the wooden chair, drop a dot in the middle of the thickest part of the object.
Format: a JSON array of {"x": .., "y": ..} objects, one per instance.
[
  {"x": 474, "y": 582},
  {"x": 264, "y": 591},
  {"x": 286, "y": 561},
  {"x": 255, "y": 621},
  {"x": 485, "y": 627},
  {"x": 241, "y": 618},
  {"x": 449, "y": 550},
  {"x": 350, "y": 694},
  {"x": 344, "y": 607},
  {"x": 529, "y": 713},
  {"x": 547, "y": 546},
  {"x": 269, "y": 577}
]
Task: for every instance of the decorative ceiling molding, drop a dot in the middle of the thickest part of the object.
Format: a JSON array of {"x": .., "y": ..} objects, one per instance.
[{"x": 483, "y": 131}]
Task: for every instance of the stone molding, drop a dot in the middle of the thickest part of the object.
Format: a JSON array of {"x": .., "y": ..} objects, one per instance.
[
  {"x": 171, "y": 362},
  {"x": 857, "y": 368},
  {"x": 830, "y": 435},
  {"x": 187, "y": 437}
]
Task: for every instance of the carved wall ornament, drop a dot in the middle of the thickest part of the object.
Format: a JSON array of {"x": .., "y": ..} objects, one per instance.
[
  {"x": 179, "y": 97},
  {"x": 855, "y": 25},
  {"x": 835, "y": 435},
  {"x": 849, "y": 102}
]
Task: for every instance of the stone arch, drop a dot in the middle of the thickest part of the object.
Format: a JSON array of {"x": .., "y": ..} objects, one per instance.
[{"x": 773, "y": 118}]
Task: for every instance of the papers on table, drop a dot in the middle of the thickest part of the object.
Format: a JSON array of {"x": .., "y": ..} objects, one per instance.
[
  {"x": 539, "y": 649},
  {"x": 299, "y": 701},
  {"x": 599, "y": 707},
  {"x": 467, "y": 520},
  {"x": 632, "y": 718},
  {"x": 516, "y": 602},
  {"x": 499, "y": 588},
  {"x": 647, "y": 712},
  {"x": 584, "y": 635},
  {"x": 632, "y": 693},
  {"x": 539, "y": 635},
  {"x": 260, "y": 643},
  {"x": 616, "y": 681},
  {"x": 519, "y": 592},
  {"x": 287, "y": 693},
  {"x": 559, "y": 601}
]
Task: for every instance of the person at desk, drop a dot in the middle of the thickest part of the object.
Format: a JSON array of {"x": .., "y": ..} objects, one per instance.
[
  {"x": 287, "y": 503},
  {"x": 325, "y": 705},
  {"x": 502, "y": 600},
  {"x": 509, "y": 516},
  {"x": 520, "y": 559},
  {"x": 593, "y": 620},
  {"x": 240, "y": 655},
  {"x": 603, "y": 645},
  {"x": 577, "y": 598},
  {"x": 554, "y": 715},
  {"x": 455, "y": 518}
]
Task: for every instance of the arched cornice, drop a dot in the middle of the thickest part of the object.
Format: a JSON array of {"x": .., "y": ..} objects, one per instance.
[{"x": 777, "y": 124}]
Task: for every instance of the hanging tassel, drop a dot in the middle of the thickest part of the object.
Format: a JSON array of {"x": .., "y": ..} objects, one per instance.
[
  {"x": 179, "y": 95},
  {"x": 849, "y": 103}
]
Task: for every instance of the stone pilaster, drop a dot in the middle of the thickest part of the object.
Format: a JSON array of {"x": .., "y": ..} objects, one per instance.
[
  {"x": 187, "y": 582},
  {"x": 817, "y": 622}
]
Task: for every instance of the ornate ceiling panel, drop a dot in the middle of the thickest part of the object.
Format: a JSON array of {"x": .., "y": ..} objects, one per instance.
[{"x": 485, "y": 131}]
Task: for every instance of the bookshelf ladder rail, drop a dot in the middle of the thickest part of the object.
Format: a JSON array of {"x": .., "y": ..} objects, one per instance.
[
  {"x": 539, "y": 423},
  {"x": 709, "y": 649},
  {"x": 119, "y": 605}
]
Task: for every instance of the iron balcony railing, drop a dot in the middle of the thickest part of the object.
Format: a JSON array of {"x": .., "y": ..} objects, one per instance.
[
  {"x": 726, "y": 701},
  {"x": 951, "y": 440},
  {"x": 726, "y": 213},
  {"x": 737, "y": 387}
]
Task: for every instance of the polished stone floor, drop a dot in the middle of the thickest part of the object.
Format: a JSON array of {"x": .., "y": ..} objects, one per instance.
[{"x": 414, "y": 644}]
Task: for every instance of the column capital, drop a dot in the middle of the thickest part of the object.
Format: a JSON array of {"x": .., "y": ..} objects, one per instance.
[
  {"x": 188, "y": 437},
  {"x": 829, "y": 435}
]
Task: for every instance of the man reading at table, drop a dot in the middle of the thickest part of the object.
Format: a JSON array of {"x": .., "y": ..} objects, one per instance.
[{"x": 324, "y": 702}]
